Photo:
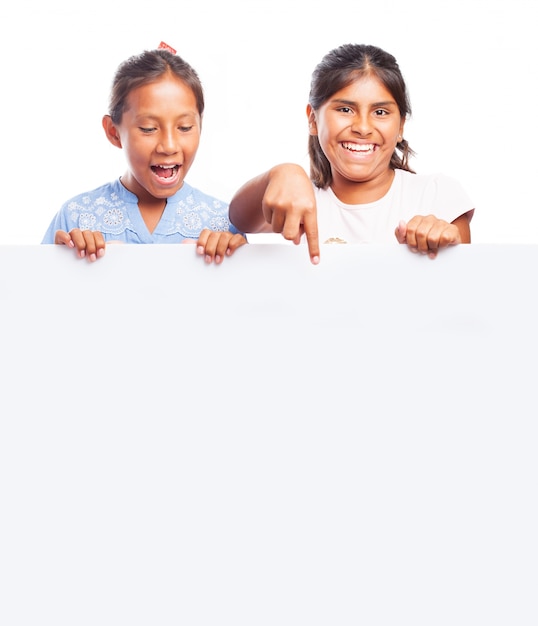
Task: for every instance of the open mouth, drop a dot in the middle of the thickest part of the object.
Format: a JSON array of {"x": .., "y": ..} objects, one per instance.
[
  {"x": 362, "y": 148},
  {"x": 165, "y": 171}
]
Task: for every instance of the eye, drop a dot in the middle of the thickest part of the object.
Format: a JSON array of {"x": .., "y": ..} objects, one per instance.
[
  {"x": 380, "y": 112},
  {"x": 185, "y": 129},
  {"x": 146, "y": 130},
  {"x": 344, "y": 110}
]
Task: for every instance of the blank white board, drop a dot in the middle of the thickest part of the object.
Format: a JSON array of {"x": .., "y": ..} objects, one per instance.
[{"x": 267, "y": 441}]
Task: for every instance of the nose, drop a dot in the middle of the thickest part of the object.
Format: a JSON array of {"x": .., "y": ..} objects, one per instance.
[
  {"x": 361, "y": 124},
  {"x": 168, "y": 142}
]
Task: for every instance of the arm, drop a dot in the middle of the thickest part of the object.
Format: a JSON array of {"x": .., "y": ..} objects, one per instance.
[
  {"x": 280, "y": 200},
  {"x": 427, "y": 234}
]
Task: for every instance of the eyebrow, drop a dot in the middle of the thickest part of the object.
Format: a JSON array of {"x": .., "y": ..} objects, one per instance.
[
  {"x": 190, "y": 115},
  {"x": 374, "y": 104}
]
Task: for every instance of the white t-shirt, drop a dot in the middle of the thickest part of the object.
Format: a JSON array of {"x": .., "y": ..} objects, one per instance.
[{"x": 375, "y": 222}]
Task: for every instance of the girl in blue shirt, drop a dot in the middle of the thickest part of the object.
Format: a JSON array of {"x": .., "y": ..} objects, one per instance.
[{"x": 155, "y": 116}]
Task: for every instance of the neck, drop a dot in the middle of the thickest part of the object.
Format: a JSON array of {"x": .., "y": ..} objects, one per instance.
[
  {"x": 152, "y": 211},
  {"x": 362, "y": 191}
]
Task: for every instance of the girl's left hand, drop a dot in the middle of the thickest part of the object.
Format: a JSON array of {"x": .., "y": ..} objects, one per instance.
[
  {"x": 427, "y": 234},
  {"x": 215, "y": 245}
]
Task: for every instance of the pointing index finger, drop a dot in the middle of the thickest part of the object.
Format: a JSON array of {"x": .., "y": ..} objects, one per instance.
[{"x": 312, "y": 237}]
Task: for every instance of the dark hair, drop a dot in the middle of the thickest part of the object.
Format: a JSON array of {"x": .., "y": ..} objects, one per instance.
[
  {"x": 338, "y": 69},
  {"x": 148, "y": 67}
]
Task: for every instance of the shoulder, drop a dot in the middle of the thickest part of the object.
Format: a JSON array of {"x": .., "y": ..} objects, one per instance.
[
  {"x": 321, "y": 194},
  {"x": 111, "y": 191},
  {"x": 199, "y": 197},
  {"x": 193, "y": 197},
  {"x": 190, "y": 210},
  {"x": 106, "y": 208},
  {"x": 423, "y": 181},
  {"x": 436, "y": 193}
]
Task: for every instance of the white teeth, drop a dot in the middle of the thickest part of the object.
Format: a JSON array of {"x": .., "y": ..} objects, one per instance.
[{"x": 355, "y": 147}]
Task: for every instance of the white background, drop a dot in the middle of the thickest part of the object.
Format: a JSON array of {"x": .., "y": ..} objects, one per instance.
[{"x": 470, "y": 67}]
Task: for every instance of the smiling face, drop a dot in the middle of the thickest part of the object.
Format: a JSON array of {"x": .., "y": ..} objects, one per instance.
[
  {"x": 358, "y": 128},
  {"x": 160, "y": 134}
]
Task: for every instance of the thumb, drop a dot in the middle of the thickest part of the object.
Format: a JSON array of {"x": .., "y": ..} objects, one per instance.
[
  {"x": 63, "y": 238},
  {"x": 401, "y": 232}
]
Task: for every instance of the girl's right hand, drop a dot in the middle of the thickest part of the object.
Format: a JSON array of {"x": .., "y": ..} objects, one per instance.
[
  {"x": 289, "y": 205},
  {"x": 88, "y": 243}
]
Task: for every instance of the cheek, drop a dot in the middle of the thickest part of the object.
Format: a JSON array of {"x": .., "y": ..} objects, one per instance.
[
  {"x": 133, "y": 147},
  {"x": 191, "y": 147},
  {"x": 324, "y": 135}
]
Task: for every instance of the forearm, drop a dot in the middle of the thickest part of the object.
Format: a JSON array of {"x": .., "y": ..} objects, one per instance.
[
  {"x": 463, "y": 224},
  {"x": 246, "y": 206}
]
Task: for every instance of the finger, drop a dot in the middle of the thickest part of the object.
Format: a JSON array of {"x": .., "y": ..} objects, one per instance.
[
  {"x": 210, "y": 246},
  {"x": 401, "y": 232},
  {"x": 310, "y": 227},
  {"x": 227, "y": 243},
  {"x": 299, "y": 235},
  {"x": 202, "y": 241},
  {"x": 235, "y": 242},
  {"x": 91, "y": 244},
  {"x": 267, "y": 211},
  {"x": 449, "y": 236},
  {"x": 292, "y": 226},
  {"x": 286, "y": 219},
  {"x": 100, "y": 243},
  {"x": 223, "y": 241},
  {"x": 63, "y": 238},
  {"x": 79, "y": 241},
  {"x": 411, "y": 231},
  {"x": 278, "y": 222},
  {"x": 425, "y": 234},
  {"x": 441, "y": 236}
]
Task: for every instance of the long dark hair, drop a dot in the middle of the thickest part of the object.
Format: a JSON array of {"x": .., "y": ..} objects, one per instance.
[{"x": 339, "y": 68}]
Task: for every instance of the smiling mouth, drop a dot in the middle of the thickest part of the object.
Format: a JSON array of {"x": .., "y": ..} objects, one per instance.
[
  {"x": 363, "y": 148},
  {"x": 165, "y": 171}
]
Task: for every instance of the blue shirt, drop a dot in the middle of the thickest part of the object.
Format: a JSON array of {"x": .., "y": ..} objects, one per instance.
[{"x": 113, "y": 210}]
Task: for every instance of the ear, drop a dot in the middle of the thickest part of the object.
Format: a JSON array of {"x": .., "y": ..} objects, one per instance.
[
  {"x": 400, "y": 134},
  {"x": 311, "y": 115},
  {"x": 111, "y": 131}
]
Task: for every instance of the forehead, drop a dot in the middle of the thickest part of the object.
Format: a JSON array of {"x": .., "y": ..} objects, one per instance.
[
  {"x": 166, "y": 94},
  {"x": 365, "y": 88}
]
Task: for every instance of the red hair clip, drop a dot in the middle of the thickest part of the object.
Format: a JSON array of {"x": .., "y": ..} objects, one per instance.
[{"x": 165, "y": 46}]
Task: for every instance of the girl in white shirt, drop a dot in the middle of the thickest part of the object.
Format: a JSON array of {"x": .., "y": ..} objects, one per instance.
[{"x": 361, "y": 188}]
